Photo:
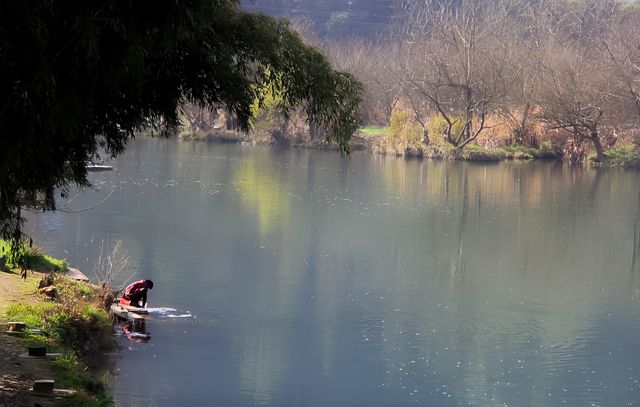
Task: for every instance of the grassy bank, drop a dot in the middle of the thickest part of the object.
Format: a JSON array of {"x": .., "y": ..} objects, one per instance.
[
  {"x": 471, "y": 152},
  {"x": 32, "y": 257},
  {"x": 74, "y": 323},
  {"x": 383, "y": 140}
]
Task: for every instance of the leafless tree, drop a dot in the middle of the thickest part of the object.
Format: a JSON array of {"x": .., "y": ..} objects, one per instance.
[
  {"x": 111, "y": 265},
  {"x": 620, "y": 43},
  {"x": 200, "y": 119},
  {"x": 526, "y": 30},
  {"x": 452, "y": 56},
  {"x": 374, "y": 64},
  {"x": 580, "y": 91}
]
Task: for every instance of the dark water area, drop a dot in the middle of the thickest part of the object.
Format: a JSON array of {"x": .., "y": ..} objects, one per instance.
[{"x": 317, "y": 280}]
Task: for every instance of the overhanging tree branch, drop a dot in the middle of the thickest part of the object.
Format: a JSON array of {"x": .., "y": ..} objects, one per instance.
[{"x": 80, "y": 79}]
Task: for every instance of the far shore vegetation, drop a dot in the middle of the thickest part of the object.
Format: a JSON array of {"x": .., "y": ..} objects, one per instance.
[
  {"x": 389, "y": 141},
  {"x": 72, "y": 318},
  {"x": 476, "y": 80}
]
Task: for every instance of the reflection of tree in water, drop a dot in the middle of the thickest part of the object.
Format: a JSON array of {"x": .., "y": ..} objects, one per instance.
[
  {"x": 264, "y": 195},
  {"x": 263, "y": 359},
  {"x": 508, "y": 246},
  {"x": 266, "y": 350},
  {"x": 635, "y": 250}
]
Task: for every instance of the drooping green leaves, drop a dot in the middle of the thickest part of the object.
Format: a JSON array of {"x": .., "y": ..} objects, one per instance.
[{"x": 79, "y": 78}]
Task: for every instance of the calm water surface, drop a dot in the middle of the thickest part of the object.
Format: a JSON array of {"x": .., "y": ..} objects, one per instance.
[{"x": 316, "y": 280}]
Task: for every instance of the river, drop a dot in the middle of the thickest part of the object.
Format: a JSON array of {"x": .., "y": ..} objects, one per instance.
[{"x": 303, "y": 278}]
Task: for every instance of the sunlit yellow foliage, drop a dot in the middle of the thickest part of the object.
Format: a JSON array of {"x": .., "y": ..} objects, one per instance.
[
  {"x": 438, "y": 127},
  {"x": 269, "y": 100},
  {"x": 403, "y": 130}
]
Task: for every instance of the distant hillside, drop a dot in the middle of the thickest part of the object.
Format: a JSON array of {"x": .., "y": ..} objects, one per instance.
[{"x": 332, "y": 19}]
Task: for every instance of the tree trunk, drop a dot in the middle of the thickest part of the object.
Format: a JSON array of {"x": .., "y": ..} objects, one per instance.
[
  {"x": 425, "y": 136},
  {"x": 597, "y": 144},
  {"x": 313, "y": 131},
  {"x": 230, "y": 119}
]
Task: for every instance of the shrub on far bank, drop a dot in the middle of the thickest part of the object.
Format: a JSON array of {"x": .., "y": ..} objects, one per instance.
[
  {"x": 403, "y": 136},
  {"x": 623, "y": 156},
  {"x": 519, "y": 152},
  {"x": 438, "y": 127},
  {"x": 403, "y": 129},
  {"x": 474, "y": 152}
]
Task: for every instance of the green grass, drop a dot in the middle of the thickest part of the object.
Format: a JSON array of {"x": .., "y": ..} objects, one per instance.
[
  {"x": 518, "y": 152},
  {"x": 372, "y": 130},
  {"x": 622, "y": 156},
  {"x": 69, "y": 374},
  {"x": 34, "y": 315},
  {"x": 34, "y": 258},
  {"x": 44, "y": 263},
  {"x": 474, "y": 152},
  {"x": 75, "y": 325},
  {"x": 513, "y": 148},
  {"x": 68, "y": 288}
]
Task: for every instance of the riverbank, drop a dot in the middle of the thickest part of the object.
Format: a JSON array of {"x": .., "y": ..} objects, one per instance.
[
  {"x": 237, "y": 137},
  {"x": 624, "y": 156},
  {"x": 17, "y": 373},
  {"x": 73, "y": 324}
]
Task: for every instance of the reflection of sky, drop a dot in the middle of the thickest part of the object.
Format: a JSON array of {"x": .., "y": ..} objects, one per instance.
[{"x": 318, "y": 280}]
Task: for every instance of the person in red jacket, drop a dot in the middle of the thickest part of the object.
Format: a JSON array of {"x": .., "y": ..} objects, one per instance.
[{"x": 136, "y": 293}]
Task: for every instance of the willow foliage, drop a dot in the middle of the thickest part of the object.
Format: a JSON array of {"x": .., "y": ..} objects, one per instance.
[{"x": 82, "y": 77}]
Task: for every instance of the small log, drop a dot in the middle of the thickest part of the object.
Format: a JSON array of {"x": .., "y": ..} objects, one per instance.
[
  {"x": 37, "y": 351},
  {"x": 43, "y": 386}
]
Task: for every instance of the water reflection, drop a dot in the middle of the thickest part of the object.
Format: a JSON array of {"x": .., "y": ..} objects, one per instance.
[
  {"x": 319, "y": 280},
  {"x": 263, "y": 195}
]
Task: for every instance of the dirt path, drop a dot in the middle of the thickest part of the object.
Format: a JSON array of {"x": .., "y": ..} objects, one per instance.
[{"x": 17, "y": 372}]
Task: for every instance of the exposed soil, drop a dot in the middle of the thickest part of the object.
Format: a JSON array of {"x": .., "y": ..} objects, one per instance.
[{"x": 18, "y": 372}]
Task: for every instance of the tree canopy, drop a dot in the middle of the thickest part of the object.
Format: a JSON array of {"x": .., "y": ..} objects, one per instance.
[{"x": 79, "y": 79}]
